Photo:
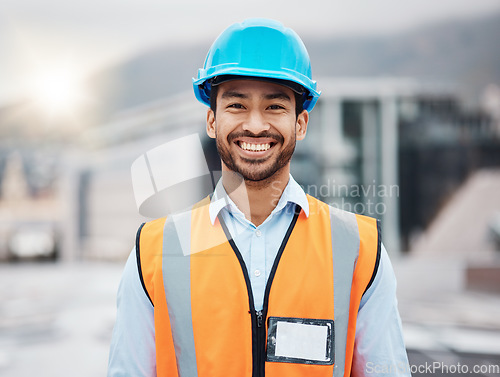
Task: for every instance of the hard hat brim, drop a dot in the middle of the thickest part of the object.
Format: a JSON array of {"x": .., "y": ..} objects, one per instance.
[{"x": 202, "y": 91}]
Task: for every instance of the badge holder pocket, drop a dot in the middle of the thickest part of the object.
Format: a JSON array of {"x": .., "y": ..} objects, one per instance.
[{"x": 301, "y": 341}]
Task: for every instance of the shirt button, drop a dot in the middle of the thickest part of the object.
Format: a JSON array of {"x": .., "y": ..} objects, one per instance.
[
  {"x": 257, "y": 273},
  {"x": 258, "y": 233}
]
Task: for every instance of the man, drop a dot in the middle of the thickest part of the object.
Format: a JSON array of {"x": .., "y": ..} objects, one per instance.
[{"x": 259, "y": 279}]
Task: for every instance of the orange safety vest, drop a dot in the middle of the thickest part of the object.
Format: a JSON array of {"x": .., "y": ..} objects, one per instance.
[{"x": 205, "y": 319}]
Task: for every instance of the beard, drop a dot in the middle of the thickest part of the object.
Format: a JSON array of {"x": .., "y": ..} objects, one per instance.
[{"x": 255, "y": 170}]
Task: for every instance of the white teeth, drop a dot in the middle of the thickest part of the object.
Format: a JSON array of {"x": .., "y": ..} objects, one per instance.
[{"x": 254, "y": 147}]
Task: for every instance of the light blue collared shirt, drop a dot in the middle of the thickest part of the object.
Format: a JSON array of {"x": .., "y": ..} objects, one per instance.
[
  {"x": 258, "y": 245},
  {"x": 379, "y": 344}
]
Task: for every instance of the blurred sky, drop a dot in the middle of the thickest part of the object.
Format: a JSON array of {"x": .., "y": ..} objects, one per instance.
[{"x": 40, "y": 37}]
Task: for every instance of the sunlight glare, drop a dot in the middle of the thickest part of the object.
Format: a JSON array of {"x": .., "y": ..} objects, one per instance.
[{"x": 58, "y": 91}]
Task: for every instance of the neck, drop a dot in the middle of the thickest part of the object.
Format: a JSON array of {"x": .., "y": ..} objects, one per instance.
[{"x": 256, "y": 199}]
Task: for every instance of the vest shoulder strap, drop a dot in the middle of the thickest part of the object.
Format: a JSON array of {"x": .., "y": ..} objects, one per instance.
[
  {"x": 357, "y": 233},
  {"x": 365, "y": 231},
  {"x": 371, "y": 246},
  {"x": 356, "y": 251},
  {"x": 148, "y": 249}
]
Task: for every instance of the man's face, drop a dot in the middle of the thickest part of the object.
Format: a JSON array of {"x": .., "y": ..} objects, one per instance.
[{"x": 255, "y": 127}]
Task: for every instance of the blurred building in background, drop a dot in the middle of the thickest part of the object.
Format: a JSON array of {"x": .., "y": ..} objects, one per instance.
[
  {"x": 401, "y": 146},
  {"x": 391, "y": 148}
]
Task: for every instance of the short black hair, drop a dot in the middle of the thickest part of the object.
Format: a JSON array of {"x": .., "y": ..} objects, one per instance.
[{"x": 299, "y": 100}]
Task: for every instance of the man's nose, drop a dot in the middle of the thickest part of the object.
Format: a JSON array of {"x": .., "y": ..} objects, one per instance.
[{"x": 256, "y": 123}]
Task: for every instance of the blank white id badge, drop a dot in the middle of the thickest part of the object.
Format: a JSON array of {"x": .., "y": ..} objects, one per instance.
[{"x": 300, "y": 341}]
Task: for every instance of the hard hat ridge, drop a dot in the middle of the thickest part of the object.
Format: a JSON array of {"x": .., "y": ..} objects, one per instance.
[{"x": 258, "y": 48}]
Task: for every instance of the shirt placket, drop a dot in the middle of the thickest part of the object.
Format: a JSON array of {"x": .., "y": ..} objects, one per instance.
[{"x": 258, "y": 266}]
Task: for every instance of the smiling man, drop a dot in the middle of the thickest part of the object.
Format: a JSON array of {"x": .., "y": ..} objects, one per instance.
[
  {"x": 256, "y": 125},
  {"x": 259, "y": 279}
]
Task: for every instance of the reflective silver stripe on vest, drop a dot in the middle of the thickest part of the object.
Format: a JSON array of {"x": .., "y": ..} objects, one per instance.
[
  {"x": 177, "y": 281},
  {"x": 345, "y": 246}
]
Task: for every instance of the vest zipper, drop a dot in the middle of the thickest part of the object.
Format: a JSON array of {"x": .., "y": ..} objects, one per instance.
[
  {"x": 256, "y": 319},
  {"x": 259, "y": 316},
  {"x": 261, "y": 343},
  {"x": 263, "y": 312}
]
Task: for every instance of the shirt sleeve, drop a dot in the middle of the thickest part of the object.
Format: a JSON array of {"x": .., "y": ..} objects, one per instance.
[
  {"x": 379, "y": 348},
  {"x": 132, "y": 351}
]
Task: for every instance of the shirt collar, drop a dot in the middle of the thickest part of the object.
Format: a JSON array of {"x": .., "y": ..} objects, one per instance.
[{"x": 292, "y": 193}]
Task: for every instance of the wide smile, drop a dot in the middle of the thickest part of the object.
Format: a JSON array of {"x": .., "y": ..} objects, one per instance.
[{"x": 255, "y": 147}]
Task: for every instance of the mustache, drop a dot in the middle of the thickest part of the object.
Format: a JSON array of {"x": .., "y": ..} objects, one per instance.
[{"x": 277, "y": 137}]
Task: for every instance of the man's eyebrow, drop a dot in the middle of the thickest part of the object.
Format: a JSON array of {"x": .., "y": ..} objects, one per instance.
[
  {"x": 277, "y": 95},
  {"x": 270, "y": 96},
  {"x": 233, "y": 94}
]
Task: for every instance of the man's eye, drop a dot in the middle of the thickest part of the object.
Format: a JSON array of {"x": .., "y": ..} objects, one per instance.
[
  {"x": 276, "y": 107},
  {"x": 236, "y": 106}
]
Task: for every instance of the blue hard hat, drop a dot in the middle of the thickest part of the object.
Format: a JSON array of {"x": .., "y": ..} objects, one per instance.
[{"x": 258, "y": 48}]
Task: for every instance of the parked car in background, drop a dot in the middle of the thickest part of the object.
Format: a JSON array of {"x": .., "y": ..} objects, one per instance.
[{"x": 32, "y": 241}]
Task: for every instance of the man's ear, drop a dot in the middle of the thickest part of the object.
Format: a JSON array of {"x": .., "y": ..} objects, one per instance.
[
  {"x": 211, "y": 124},
  {"x": 301, "y": 125}
]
